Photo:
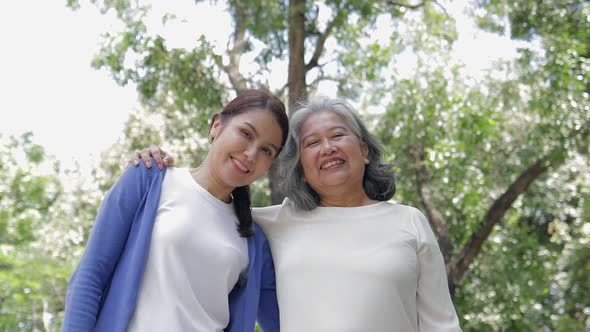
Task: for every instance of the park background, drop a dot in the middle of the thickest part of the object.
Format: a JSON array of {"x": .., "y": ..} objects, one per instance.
[{"x": 483, "y": 107}]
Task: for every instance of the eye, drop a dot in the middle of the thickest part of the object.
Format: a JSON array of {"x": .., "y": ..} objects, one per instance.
[
  {"x": 338, "y": 134},
  {"x": 310, "y": 143},
  {"x": 246, "y": 133},
  {"x": 268, "y": 151}
]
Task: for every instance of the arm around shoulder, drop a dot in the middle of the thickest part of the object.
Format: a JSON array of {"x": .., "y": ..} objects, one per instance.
[{"x": 104, "y": 247}]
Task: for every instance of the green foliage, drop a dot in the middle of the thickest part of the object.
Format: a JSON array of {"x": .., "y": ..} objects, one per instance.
[
  {"x": 26, "y": 193},
  {"x": 477, "y": 139},
  {"x": 522, "y": 281},
  {"x": 175, "y": 79},
  {"x": 477, "y": 136},
  {"x": 508, "y": 288},
  {"x": 268, "y": 26},
  {"x": 464, "y": 133},
  {"x": 559, "y": 94},
  {"x": 32, "y": 292}
]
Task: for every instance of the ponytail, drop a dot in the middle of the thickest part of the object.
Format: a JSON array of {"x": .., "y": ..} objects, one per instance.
[{"x": 243, "y": 209}]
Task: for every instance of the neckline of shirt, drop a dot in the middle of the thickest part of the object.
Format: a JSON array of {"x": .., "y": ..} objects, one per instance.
[
  {"x": 204, "y": 193},
  {"x": 351, "y": 209},
  {"x": 346, "y": 211}
]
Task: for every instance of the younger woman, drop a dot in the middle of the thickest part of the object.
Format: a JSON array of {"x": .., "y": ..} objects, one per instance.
[{"x": 177, "y": 250}]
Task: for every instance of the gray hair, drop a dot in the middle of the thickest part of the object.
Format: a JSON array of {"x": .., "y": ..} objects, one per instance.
[{"x": 378, "y": 180}]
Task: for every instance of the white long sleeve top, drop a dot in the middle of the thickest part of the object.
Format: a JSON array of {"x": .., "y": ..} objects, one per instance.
[
  {"x": 357, "y": 269},
  {"x": 195, "y": 258}
]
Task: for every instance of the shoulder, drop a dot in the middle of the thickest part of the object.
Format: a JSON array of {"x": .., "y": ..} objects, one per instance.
[
  {"x": 395, "y": 211},
  {"x": 142, "y": 174},
  {"x": 403, "y": 211},
  {"x": 414, "y": 214},
  {"x": 270, "y": 214},
  {"x": 420, "y": 224},
  {"x": 405, "y": 216}
]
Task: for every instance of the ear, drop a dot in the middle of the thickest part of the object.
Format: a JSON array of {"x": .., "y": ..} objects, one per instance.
[
  {"x": 215, "y": 127},
  {"x": 365, "y": 152}
]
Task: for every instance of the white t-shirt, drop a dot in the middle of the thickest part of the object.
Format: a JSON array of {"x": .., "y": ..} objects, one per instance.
[
  {"x": 195, "y": 258},
  {"x": 357, "y": 269}
]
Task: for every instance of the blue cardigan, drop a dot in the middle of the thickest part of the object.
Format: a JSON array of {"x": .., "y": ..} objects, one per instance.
[{"x": 103, "y": 290}]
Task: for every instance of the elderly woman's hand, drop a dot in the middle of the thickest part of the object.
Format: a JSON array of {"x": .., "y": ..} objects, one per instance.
[{"x": 160, "y": 157}]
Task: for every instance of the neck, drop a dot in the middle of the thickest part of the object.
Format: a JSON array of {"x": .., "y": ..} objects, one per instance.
[
  {"x": 346, "y": 198},
  {"x": 206, "y": 179}
]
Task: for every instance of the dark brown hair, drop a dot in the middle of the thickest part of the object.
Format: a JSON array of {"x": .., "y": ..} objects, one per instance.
[{"x": 249, "y": 100}]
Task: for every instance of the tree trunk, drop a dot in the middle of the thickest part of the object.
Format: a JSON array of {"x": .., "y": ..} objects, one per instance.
[
  {"x": 435, "y": 218},
  {"x": 232, "y": 69},
  {"x": 296, "y": 79}
]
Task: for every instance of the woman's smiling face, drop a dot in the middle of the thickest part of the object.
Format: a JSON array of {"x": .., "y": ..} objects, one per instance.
[
  {"x": 244, "y": 147},
  {"x": 332, "y": 157}
]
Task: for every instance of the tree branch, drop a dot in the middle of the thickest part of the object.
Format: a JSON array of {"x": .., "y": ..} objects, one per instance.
[
  {"x": 496, "y": 212},
  {"x": 418, "y": 5},
  {"x": 442, "y": 7},
  {"x": 322, "y": 78},
  {"x": 232, "y": 69},
  {"x": 319, "y": 46},
  {"x": 494, "y": 216},
  {"x": 395, "y": 3},
  {"x": 461, "y": 262},
  {"x": 434, "y": 216},
  {"x": 297, "y": 88}
]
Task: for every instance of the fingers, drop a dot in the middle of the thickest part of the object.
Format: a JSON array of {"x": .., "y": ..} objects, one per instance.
[
  {"x": 158, "y": 155},
  {"x": 145, "y": 156},
  {"x": 133, "y": 159},
  {"x": 168, "y": 160},
  {"x": 136, "y": 158}
]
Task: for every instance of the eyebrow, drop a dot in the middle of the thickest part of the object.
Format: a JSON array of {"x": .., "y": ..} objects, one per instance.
[
  {"x": 256, "y": 133},
  {"x": 330, "y": 129}
]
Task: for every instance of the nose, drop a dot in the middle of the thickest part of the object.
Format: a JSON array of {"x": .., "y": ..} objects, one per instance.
[
  {"x": 327, "y": 147},
  {"x": 251, "y": 152}
]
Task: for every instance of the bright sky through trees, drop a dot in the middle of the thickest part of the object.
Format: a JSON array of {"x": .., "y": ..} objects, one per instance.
[{"x": 48, "y": 86}]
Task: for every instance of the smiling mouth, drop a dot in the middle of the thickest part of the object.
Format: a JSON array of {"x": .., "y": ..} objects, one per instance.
[
  {"x": 240, "y": 165},
  {"x": 332, "y": 163}
]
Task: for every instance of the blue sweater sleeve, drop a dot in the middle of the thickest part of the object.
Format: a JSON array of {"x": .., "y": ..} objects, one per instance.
[
  {"x": 105, "y": 245},
  {"x": 268, "y": 308}
]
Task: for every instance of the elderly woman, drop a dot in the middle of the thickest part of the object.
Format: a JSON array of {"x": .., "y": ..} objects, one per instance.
[{"x": 345, "y": 258}]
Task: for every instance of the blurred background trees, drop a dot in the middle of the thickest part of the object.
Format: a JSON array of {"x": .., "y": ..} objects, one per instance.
[{"x": 499, "y": 162}]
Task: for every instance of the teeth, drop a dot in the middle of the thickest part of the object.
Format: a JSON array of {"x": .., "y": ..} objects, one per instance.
[
  {"x": 331, "y": 163},
  {"x": 240, "y": 165}
]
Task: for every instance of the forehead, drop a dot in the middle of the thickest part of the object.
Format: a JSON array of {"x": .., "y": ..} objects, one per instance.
[
  {"x": 263, "y": 121},
  {"x": 322, "y": 121},
  {"x": 255, "y": 116}
]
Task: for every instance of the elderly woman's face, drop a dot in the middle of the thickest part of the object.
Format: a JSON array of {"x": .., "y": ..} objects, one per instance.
[{"x": 332, "y": 156}]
